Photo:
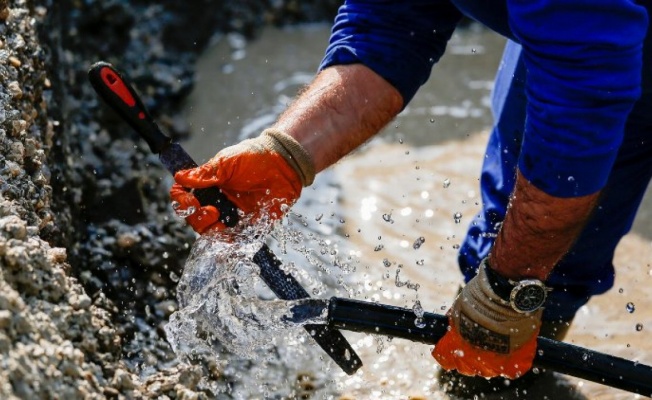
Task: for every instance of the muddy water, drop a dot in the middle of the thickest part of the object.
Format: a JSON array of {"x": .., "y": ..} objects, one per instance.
[{"x": 417, "y": 182}]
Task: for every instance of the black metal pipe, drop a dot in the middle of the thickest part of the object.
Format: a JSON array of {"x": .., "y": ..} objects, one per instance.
[{"x": 382, "y": 319}]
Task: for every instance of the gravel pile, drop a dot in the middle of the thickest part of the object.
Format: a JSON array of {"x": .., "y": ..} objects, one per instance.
[{"x": 89, "y": 251}]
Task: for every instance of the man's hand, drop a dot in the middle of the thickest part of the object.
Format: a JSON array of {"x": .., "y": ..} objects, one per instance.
[
  {"x": 261, "y": 176},
  {"x": 487, "y": 337}
]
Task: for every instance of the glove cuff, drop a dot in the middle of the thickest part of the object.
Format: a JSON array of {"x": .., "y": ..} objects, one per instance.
[{"x": 293, "y": 152}]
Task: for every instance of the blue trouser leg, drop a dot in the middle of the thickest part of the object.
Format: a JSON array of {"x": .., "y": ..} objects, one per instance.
[{"x": 588, "y": 267}]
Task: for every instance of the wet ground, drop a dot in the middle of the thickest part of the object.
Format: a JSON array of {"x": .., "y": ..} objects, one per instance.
[{"x": 407, "y": 184}]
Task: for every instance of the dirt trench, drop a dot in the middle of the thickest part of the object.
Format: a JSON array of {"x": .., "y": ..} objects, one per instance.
[{"x": 89, "y": 250}]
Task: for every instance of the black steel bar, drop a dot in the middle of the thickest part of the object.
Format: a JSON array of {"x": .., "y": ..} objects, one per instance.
[{"x": 382, "y": 319}]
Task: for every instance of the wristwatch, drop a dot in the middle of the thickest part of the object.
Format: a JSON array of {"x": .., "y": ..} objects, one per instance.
[{"x": 523, "y": 296}]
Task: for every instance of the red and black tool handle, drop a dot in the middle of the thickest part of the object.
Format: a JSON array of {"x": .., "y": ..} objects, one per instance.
[{"x": 122, "y": 98}]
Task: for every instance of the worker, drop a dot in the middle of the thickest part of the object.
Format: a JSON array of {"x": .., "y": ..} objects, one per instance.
[{"x": 566, "y": 166}]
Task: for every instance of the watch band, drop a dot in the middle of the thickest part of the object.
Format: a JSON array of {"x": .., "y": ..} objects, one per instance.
[{"x": 500, "y": 285}]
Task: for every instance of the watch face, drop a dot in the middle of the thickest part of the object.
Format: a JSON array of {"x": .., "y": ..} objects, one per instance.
[{"x": 528, "y": 296}]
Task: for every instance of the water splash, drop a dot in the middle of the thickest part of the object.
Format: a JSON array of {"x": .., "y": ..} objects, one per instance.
[{"x": 220, "y": 306}]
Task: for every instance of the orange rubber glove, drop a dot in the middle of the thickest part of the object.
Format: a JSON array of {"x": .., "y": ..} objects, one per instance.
[
  {"x": 261, "y": 176},
  {"x": 486, "y": 336}
]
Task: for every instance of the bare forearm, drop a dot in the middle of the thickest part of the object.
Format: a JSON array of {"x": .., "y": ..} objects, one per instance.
[
  {"x": 538, "y": 231},
  {"x": 341, "y": 109}
]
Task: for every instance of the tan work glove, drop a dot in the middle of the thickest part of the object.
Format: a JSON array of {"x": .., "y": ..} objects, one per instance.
[{"x": 487, "y": 337}]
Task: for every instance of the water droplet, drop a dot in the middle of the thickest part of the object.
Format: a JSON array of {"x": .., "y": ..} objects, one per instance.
[
  {"x": 420, "y": 262},
  {"x": 571, "y": 179},
  {"x": 379, "y": 247},
  {"x": 457, "y": 217},
  {"x": 630, "y": 307},
  {"x": 585, "y": 356},
  {"x": 319, "y": 217},
  {"x": 387, "y": 263},
  {"x": 621, "y": 290},
  {"x": 417, "y": 308},
  {"x": 420, "y": 323},
  {"x": 380, "y": 348},
  {"x": 447, "y": 183},
  {"x": 432, "y": 120},
  {"x": 639, "y": 327},
  {"x": 388, "y": 218},
  {"x": 181, "y": 212},
  {"x": 174, "y": 277},
  {"x": 418, "y": 242}
]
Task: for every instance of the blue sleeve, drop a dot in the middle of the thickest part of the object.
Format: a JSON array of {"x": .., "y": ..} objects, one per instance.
[
  {"x": 584, "y": 65},
  {"x": 399, "y": 40}
]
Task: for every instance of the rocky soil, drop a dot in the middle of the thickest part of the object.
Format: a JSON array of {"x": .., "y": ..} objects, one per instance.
[{"x": 89, "y": 250}]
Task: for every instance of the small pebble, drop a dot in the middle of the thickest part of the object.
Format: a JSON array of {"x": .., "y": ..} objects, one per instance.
[
  {"x": 15, "y": 90},
  {"x": 14, "y": 61}
]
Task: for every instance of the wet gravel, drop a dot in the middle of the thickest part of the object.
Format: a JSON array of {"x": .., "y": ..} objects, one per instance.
[{"x": 90, "y": 252}]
